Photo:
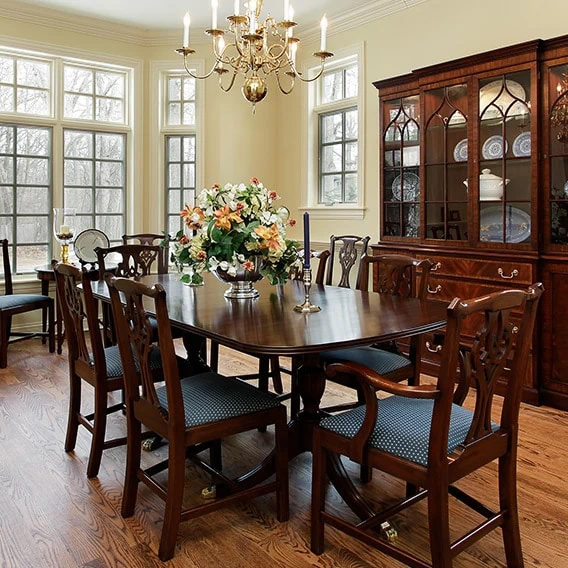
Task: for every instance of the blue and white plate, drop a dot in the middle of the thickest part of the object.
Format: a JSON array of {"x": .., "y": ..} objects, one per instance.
[
  {"x": 410, "y": 190},
  {"x": 522, "y": 145},
  {"x": 460, "y": 151},
  {"x": 494, "y": 148},
  {"x": 518, "y": 225}
]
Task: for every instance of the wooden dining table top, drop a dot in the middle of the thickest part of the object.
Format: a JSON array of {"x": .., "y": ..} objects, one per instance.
[{"x": 269, "y": 325}]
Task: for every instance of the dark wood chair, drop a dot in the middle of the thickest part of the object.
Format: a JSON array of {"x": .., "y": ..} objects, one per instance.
[
  {"x": 189, "y": 413},
  {"x": 152, "y": 239},
  {"x": 89, "y": 361},
  {"x": 424, "y": 436},
  {"x": 12, "y": 304},
  {"x": 133, "y": 261},
  {"x": 345, "y": 249},
  {"x": 398, "y": 275}
]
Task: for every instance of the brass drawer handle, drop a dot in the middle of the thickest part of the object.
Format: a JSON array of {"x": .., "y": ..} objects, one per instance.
[
  {"x": 515, "y": 329},
  {"x": 435, "y": 349},
  {"x": 437, "y": 289},
  {"x": 437, "y": 266},
  {"x": 514, "y": 273}
]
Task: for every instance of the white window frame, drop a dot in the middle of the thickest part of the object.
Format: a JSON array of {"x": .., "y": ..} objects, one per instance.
[
  {"x": 133, "y": 126},
  {"x": 159, "y": 129},
  {"x": 310, "y": 201}
]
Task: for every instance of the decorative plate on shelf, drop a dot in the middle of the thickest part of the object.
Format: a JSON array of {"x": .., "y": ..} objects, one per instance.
[
  {"x": 522, "y": 145},
  {"x": 410, "y": 190},
  {"x": 87, "y": 241},
  {"x": 493, "y": 97},
  {"x": 518, "y": 225},
  {"x": 493, "y": 148},
  {"x": 460, "y": 151}
]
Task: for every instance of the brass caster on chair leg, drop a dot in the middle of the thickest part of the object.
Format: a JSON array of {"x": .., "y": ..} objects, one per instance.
[
  {"x": 210, "y": 492},
  {"x": 389, "y": 531},
  {"x": 151, "y": 444}
]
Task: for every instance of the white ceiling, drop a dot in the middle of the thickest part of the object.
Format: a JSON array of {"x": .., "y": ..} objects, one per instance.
[{"x": 168, "y": 14}]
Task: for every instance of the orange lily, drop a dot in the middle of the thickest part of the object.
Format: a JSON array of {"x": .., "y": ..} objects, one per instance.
[
  {"x": 224, "y": 216},
  {"x": 193, "y": 216}
]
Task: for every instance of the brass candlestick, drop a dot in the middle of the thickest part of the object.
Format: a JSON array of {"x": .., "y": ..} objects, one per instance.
[{"x": 307, "y": 307}]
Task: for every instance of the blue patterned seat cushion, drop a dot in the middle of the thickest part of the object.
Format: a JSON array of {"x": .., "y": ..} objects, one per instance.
[
  {"x": 383, "y": 362},
  {"x": 114, "y": 362},
  {"x": 403, "y": 426},
  {"x": 15, "y": 300},
  {"x": 210, "y": 397}
]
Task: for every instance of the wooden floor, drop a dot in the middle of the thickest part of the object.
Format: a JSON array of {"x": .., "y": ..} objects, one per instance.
[{"x": 52, "y": 516}]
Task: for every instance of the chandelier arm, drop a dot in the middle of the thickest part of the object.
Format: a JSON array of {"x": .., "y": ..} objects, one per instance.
[
  {"x": 230, "y": 86},
  {"x": 292, "y": 81},
  {"x": 193, "y": 75}
]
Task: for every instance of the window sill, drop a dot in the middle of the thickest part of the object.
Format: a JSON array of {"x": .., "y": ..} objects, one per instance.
[{"x": 338, "y": 211}]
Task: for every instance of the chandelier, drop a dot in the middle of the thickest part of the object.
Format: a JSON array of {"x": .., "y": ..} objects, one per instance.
[
  {"x": 559, "y": 114},
  {"x": 256, "y": 50}
]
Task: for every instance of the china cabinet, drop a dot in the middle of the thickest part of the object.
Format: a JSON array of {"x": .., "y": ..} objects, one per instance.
[{"x": 474, "y": 175}]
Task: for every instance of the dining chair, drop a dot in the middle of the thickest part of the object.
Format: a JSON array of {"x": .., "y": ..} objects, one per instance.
[
  {"x": 189, "y": 412},
  {"x": 133, "y": 261},
  {"x": 344, "y": 248},
  {"x": 423, "y": 434},
  {"x": 90, "y": 362},
  {"x": 397, "y": 275},
  {"x": 12, "y": 304},
  {"x": 152, "y": 239}
]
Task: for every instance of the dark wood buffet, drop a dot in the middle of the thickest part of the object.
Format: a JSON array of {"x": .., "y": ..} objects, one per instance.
[{"x": 474, "y": 175}]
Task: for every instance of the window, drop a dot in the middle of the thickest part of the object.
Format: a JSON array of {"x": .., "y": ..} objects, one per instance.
[
  {"x": 180, "y": 149},
  {"x": 93, "y": 94},
  {"x": 334, "y": 133},
  {"x": 25, "y": 85},
  {"x": 44, "y": 101},
  {"x": 94, "y": 171},
  {"x": 25, "y": 193}
]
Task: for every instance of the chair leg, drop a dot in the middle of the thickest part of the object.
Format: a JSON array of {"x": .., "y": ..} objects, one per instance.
[
  {"x": 174, "y": 498},
  {"x": 439, "y": 525},
  {"x": 263, "y": 372},
  {"x": 74, "y": 410},
  {"x": 508, "y": 503},
  {"x": 133, "y": 451},
  {"x": 51, "y": 327},
  {"x": 5, "y": 325},
  {"x": 282, "y": 494},
  {"x": 214, "y": 356},
  {"x": 43, "y": 324},
  {"x": 318, "y": 494},
  {"x": 276, "y": 375},
  {"x": 99, "y": 431}
]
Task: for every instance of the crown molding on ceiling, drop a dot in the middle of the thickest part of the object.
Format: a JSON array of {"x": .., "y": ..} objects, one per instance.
[{"x": 15, "y": 10}]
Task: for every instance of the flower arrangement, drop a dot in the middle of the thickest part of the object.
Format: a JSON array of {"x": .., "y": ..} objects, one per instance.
[{"x": 235, "y": 227}]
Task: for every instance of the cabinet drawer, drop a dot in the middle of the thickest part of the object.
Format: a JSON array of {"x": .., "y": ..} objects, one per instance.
[{"x": 510, "y": 272}]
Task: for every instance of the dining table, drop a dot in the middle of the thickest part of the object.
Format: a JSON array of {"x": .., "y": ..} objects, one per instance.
[{"x": 269, "y": 325}]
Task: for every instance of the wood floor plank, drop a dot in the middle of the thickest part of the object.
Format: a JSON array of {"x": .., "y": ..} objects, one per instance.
[{"x": 52, "y": 516}]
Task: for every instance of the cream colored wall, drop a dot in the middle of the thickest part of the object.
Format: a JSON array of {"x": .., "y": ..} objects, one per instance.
[
  {"x": 269, "y": 145},
  {"x": 429, "y": 33}
]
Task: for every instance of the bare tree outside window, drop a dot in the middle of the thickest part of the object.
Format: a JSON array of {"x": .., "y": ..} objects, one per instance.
[
  {"x": 94, "y": 180},
  {"x": 338, "y": 136}
]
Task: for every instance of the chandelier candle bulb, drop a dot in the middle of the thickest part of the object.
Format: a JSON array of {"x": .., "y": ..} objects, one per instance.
[
  {"x": 214, "y": 5},
  {"x": 186, "y": 22},
  {"x": 236, "y": 8},
  {"x": 286, "y": 10},
  {"x": 293, "y": 49},
  {"x": 306, "y": 240},
  {"x": 291, "y": 19},
  {"x": 323, "y": 26}
]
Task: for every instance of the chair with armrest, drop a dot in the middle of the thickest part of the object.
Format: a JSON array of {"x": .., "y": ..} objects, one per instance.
[
  {"x": 12, "y": 304},
  {"x": 424, "y": 436},
  {"x": 189, "y": 413},
  {"x": 345, "y": 249},
  {"x": 398, "y": 275},
  {"x": 89, "y": 361}
]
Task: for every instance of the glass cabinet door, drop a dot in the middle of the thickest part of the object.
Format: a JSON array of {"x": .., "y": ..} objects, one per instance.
[
  {"x": 505, "y": 176},
  {"x": 446, "y": 162},
  {"x": 558, "y": 154},
  {"x": 401, "y": 164}
]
